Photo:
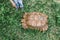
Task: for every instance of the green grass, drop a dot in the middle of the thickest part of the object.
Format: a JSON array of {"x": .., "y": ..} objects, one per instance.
[{"x": 10, "y": 20}]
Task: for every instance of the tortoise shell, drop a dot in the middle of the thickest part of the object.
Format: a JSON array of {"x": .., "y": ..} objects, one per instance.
[{"x": 35, "y": 20}]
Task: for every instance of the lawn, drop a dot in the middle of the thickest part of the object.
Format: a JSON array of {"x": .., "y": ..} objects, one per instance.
[{"x": 10, "y": 20}]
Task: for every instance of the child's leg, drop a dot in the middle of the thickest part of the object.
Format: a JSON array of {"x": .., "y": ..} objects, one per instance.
[
  {"x": 16, "y": 2},
  {"x": 21, "y": 3}
]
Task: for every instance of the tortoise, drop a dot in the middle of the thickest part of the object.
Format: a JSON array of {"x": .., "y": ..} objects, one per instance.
[{"x": 35, "y": 20}]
